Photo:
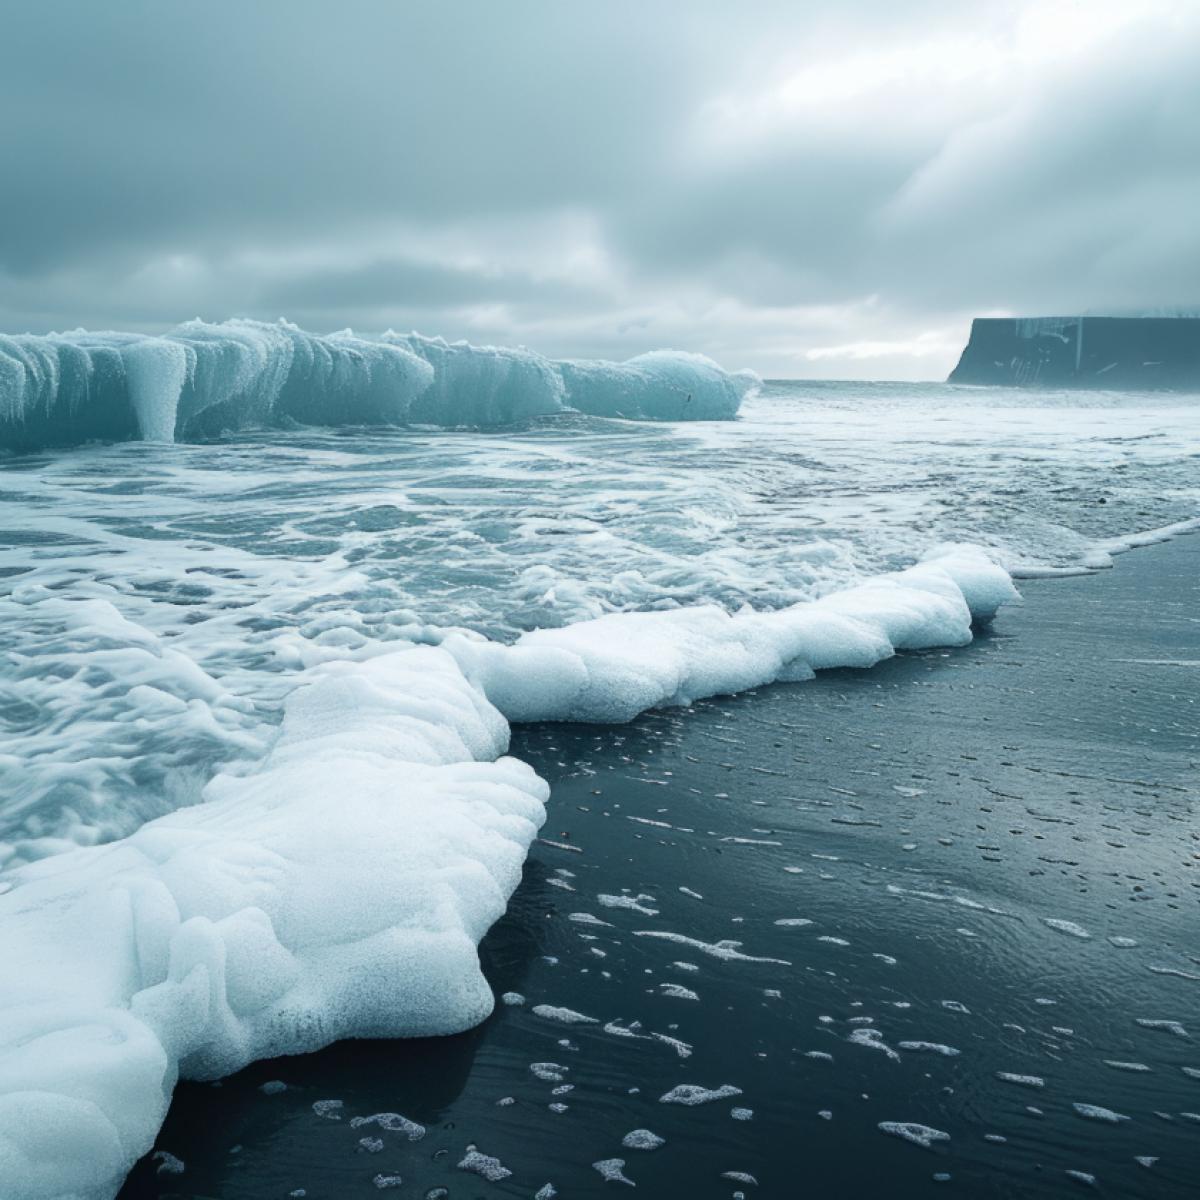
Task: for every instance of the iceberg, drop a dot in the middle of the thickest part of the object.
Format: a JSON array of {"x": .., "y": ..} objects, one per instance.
[{"x": 203, "y": 380}]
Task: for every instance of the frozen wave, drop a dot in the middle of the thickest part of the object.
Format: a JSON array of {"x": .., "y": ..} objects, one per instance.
[
  {"x": 200, "y": 379},
  {"x": 341, "y": 887},
  {"x": 662, "y": 385}
]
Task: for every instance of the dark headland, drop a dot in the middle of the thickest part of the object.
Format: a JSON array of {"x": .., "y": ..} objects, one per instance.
[{"x": 1117, "y": 353}]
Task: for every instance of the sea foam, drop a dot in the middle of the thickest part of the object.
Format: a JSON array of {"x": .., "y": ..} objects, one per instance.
[{"x": 339, "y": 888}]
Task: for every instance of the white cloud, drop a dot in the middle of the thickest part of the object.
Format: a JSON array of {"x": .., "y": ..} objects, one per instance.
[{"x": 814, "y": 189}]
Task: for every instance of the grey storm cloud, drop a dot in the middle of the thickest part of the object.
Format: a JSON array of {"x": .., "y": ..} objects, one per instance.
[{"x": 806, "y": 188}]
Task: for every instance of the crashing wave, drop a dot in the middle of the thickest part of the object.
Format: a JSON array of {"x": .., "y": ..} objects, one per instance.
[
  {"x": 341, "y": 888},
  {"x": 201, "y": 380}
]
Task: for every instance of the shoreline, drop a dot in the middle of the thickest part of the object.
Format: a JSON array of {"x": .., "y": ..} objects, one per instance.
[
  {"x": 1106, "y": 550},
  {"x": 775, "y": 760}
]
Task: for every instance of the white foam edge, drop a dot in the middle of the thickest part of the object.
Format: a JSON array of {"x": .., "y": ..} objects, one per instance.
[
  {"x": 616, "y": 666},
  {"x": 1099, "y": 554},
  {"x": 340, "y": 889}
]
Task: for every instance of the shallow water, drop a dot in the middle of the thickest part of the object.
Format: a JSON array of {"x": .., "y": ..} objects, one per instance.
[
  {"x": 977, "y": 869},
  {"x": 256, "y": 558}
]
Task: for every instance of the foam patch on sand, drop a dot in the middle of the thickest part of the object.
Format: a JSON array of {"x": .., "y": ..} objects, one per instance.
[{"x": 339, "y": 890}]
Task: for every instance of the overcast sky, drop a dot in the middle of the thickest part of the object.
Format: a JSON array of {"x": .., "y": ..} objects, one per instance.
[{"x": 826, "y": 188}]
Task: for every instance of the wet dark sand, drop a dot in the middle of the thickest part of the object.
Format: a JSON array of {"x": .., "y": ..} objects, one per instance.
[{"x": 929, "y": 816}]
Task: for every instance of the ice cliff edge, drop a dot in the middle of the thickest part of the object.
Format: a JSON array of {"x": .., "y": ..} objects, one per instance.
[{"x": 1113, "y": 353}]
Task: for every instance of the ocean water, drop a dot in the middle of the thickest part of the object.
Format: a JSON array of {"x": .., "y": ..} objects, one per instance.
[
  {"x": 165, "y": 605},
  {"x": 257, "y": 557}
]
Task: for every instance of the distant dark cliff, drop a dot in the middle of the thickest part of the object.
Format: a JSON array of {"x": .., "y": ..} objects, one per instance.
[{"x": 1121, "y": 353}]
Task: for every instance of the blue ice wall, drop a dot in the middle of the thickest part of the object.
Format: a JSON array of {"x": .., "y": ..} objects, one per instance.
[{"x": 201, "y": 380}]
